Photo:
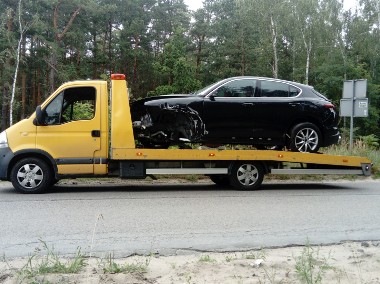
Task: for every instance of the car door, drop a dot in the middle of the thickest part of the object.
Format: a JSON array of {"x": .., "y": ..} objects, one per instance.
[
  {"x": 227, "y": 111},
  {"x": 274, "y": 110},
  {"x": 71, "y": 131}
]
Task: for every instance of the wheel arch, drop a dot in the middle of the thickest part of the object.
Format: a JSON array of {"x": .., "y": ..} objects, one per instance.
[
  {"x": 263, "y": 163},
  {"x": 33, "y": 153},
  {"x": 308, "y": 119}
]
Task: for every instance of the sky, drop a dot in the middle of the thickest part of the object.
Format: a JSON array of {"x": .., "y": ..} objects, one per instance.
[{"x": 196, "y": 4}]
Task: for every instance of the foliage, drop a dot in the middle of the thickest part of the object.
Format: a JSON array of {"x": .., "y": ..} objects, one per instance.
[
  {"x": 363, "y": 147},
  {"x": 46, "y": 261},
  {"x": 310, "y": 267},
  {"x": 164, "y": 48},
  {"x": 111, "y": 266}
]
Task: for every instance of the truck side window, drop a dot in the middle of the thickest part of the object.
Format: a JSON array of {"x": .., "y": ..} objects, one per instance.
[
  {"x": 53, "y": 111},
  {"x": 70, "y": 105}
]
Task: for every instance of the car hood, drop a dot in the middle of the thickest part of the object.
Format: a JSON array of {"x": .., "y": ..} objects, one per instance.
[{"x": 158, "y": 100}]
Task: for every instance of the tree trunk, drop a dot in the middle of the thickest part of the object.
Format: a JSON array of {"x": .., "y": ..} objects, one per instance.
[
  {"x": 199, "y": 52},
  {"x": 4, "y": 108},
  {"x": 23, "y": 95},
  {"x": 274, "y": 46}
]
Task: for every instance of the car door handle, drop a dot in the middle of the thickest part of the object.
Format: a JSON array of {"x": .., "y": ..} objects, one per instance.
[
  {"x": 95, "y": 133},
  {"x": 248, "y": 104}
]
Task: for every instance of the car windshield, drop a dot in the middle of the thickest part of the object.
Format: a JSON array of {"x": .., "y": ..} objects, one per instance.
[{"x": 205, "y": 90}]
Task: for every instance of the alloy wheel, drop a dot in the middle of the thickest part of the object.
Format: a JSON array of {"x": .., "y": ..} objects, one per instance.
[{"x": 306, "y": 140}]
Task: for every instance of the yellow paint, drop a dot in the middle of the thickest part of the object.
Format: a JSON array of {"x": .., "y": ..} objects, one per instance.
[
  {"x": 121, "y": 126},
  {"x": 231, "y": 155},
  {"x": 68, "y": 140}
]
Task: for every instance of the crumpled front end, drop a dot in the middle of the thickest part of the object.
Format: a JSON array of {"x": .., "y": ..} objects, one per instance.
[{"x": 168, "y": 124}]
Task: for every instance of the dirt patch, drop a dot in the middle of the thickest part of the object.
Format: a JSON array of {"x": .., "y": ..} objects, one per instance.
[{"x": 348, "y": 262}]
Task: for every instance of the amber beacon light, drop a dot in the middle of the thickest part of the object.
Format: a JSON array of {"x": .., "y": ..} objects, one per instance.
[{"x": 117, "y": 77}]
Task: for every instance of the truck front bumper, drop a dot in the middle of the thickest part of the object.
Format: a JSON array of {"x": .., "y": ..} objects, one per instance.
[{"x": 6, "y": 156}]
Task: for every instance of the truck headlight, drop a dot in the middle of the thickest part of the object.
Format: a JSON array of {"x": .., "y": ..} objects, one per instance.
[{"x": 3, "y": 140}]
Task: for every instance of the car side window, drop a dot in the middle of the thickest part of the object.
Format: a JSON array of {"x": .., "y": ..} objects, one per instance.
[
  {"x": 293, "y": 91},
  {"x": 70, "y": 105},
  {"x": 274, "y": 89},
  {"x": 237, "y": 88}
]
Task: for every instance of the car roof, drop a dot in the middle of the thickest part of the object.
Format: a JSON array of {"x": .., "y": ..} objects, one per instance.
[{"x": 267, "y": 78}]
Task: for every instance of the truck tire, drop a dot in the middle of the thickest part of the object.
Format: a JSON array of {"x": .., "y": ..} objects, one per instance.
[
  {"x": 247, "y": 175},
  {"x": 31, "y": 175},
  {"x": 220, "y": 180}
]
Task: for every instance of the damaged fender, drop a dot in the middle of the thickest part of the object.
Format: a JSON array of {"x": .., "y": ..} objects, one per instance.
[{"x": 166, "y": 124}]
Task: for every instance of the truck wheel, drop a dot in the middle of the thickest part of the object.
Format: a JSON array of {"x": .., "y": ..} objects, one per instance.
[
  {"x": 305, "y": 137},
  {"x": 220, "y": 180},
  {"x": 247, "y": 175},
  {"x": 31, "y": 175}
]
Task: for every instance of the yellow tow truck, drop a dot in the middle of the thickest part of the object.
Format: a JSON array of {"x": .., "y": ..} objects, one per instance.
[{"x": 77, "y": 132}]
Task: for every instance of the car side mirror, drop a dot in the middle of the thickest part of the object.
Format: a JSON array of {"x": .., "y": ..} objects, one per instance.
[
  {"x": 212, "y": 97},
  {"x": 40, "y": 117}
]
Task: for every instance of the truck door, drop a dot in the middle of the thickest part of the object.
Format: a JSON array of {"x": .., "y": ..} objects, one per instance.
[{"x": 71, "y": 131}]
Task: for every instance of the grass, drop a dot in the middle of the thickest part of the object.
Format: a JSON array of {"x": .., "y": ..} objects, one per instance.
[
  {"x": 47, "y": 261},
  {"x": 111, "y": 266},
  {"x": 255, "y": 255},
  {"x": 359, "y": 148},
  {"x": 310, "y": 267},
  {"x": 206, "y": 259}
]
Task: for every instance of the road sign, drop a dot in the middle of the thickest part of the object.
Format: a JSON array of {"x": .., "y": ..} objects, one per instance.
[
  {"x": 354, "y": 102},
  {"x": 355, "y": 88},
  {"x": 360, "y": 108}
]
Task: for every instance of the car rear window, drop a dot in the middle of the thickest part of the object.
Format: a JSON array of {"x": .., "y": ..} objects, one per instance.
[
  {"x": 319, "y": 94},
  {"x": 278, "y": 90}
]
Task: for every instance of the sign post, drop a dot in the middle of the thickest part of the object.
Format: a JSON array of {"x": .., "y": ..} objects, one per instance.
[{"x": 354, "y": 102}]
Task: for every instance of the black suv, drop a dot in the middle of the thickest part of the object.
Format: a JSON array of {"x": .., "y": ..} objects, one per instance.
[{"x": 257, "y": 111}]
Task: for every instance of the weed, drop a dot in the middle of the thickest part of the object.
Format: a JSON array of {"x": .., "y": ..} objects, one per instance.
[
  {"x": 309, "y": 266},
  {"x": 271, "y": 275},
  {"x": 361, "y": 148},
  {"x": 110, "y": 266},
  {"x": 46, "y": 261},
  {"x": 192, "y": 178},
  {"x": 206, "y": 258},
  {"x": 230, "y": 258},
  {"x": 256, "y": 255}
]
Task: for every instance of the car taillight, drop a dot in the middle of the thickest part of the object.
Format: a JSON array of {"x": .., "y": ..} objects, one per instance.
[{"x": 329, "y": 106}]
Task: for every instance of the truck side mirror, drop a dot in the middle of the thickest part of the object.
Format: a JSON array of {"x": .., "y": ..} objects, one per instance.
[{"x": 40, "y": 117}]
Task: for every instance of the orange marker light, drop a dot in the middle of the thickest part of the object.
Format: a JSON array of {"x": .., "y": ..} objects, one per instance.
[
  {"x": 280, "y": 155},
  {"x": 345, "y": 161},
  {"x": 139, "y": 154},
  {"x": 211, "y": 155},
  {"x": 117, "y": 77}
]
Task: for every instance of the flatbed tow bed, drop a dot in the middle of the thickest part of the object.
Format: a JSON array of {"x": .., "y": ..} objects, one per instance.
[
  {"x": 38, "y": 151},
  {"x": 244, "y": 169}
]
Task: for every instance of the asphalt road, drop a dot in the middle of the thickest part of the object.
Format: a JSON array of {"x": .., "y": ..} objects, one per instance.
[{"x": 170, "y": 218}]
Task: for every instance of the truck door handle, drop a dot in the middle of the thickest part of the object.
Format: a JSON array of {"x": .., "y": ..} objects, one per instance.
[{"x": 95, "y": 133}]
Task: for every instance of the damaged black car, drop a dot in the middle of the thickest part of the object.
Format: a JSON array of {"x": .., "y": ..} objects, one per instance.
[{"x": 262, "y": 112}]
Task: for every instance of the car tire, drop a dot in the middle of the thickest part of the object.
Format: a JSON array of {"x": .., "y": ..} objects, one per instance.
[
  {"x": 305, "y": 137},
  {"x": 246, "y": 175},
  {"x": 220, "y": 180},
  {"x": 31, "y": 175}
]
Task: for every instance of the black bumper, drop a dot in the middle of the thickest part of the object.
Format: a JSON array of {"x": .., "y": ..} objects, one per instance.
[
  {"x": 6, "y": 156},
  {"x": 331, "y": 136}
]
